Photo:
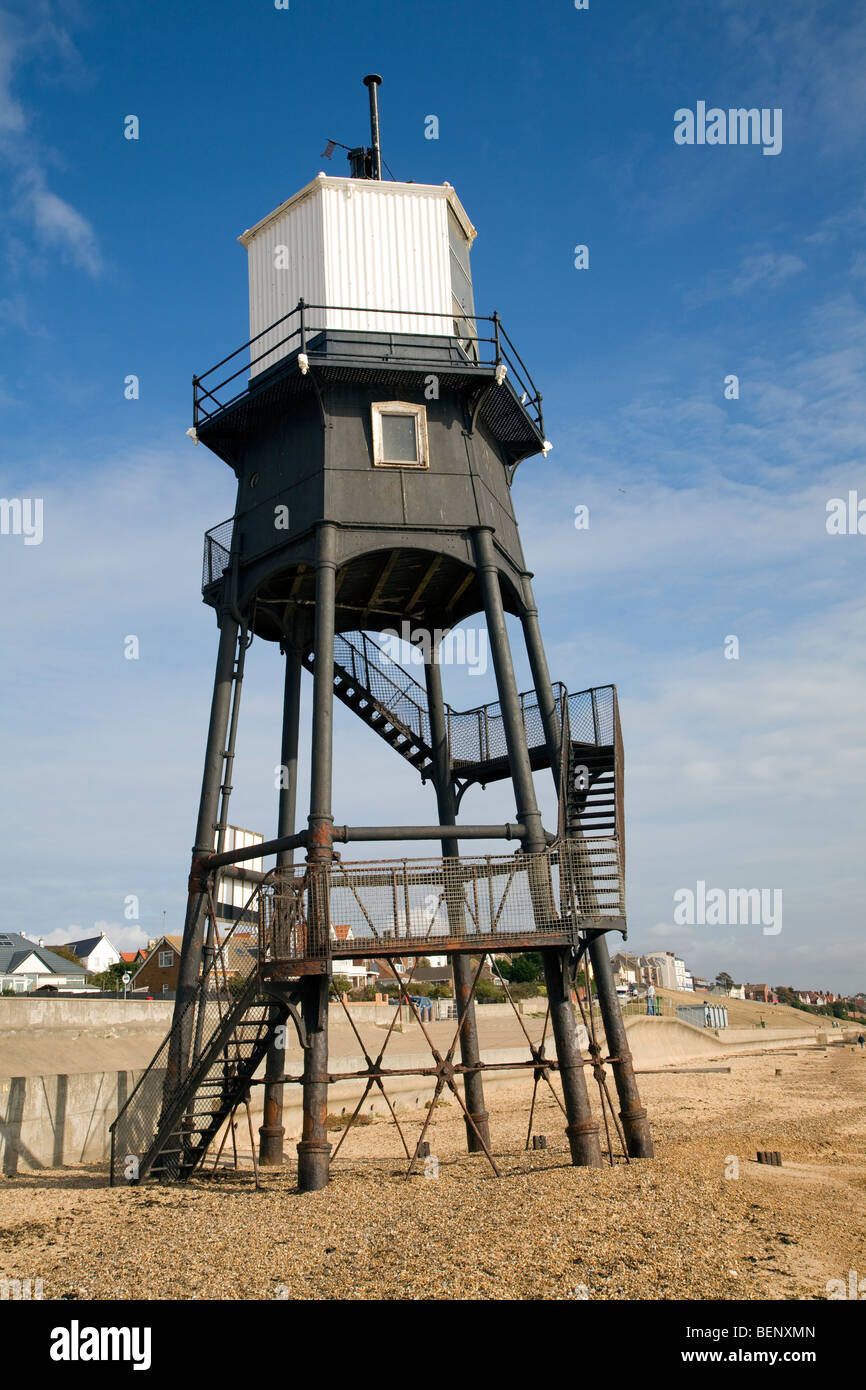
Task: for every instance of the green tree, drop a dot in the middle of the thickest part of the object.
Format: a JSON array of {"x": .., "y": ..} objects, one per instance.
[
  {"x": 527, "y": 966},
  {"x": 110, "y": 980},
  {"x": 486, "y": 992}
]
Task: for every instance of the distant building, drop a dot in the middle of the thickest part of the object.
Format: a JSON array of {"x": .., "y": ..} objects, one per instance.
[
  {"x": 699, "y": 983},
  {"x": 158, "y": 972},
  {"x": 762, "y": 993},
  {"x": 650, "y": 973},
  {"x": 96, "y": 953},
  {"x": 432, "y": 975},
  {"x": 682, "y": 975},
  {"x": 628, "y": 967},
  {"x": 133, "y": 959},
  {"x": 353, "y": 970},
  {"x": 664, "y": 963},
  {"x": 26, "y": 965}
]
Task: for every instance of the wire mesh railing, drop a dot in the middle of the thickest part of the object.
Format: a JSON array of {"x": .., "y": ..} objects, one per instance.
[
  {"x": 389, "y": 684},
  {"x": 475, "y": 736},
  {"x": 217, "y": 552}
]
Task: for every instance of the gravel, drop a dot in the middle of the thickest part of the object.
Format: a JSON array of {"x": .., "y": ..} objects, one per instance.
[{"x": 673, "y": 1228}]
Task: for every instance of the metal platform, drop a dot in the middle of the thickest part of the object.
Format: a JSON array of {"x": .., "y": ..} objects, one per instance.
[{"x": 417, "y": 907}]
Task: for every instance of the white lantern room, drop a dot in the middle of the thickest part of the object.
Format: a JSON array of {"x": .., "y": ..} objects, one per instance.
[{"x": 368, "y": 256}]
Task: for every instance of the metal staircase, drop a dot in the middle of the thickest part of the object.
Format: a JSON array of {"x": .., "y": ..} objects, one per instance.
[
  {"x": 392, "y": 703},
  {"x": 166, "y": 1126},
  {"x": 594, "y": 818},
  {"x": 383, "y": 695}
]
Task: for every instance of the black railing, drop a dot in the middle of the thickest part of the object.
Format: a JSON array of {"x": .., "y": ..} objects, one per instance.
[{"x": 211, "y": 396}]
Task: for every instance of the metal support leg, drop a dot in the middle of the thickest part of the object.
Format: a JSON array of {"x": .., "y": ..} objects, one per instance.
[
  {"x": 272, "y": 1131},
  {"x": 314, "y": 1149},
  {"x": 477, "y": 1133},
  {"x": 581, "y": 1129},
  {"x": 632, "y": 1113}
]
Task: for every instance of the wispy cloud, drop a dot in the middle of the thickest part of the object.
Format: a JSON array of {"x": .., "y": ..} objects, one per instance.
[
  {"x": 56, "y": 225},
  {"x": 768, "y": 271}
]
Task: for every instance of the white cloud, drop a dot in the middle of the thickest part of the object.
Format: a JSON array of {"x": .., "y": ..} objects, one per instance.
[
  {"x": 56, "y": 224},
  {"x": 123, "y": 936},
  {"x": 768, "y": 271}
]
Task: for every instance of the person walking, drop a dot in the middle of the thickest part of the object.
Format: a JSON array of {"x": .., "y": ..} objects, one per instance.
[{"x": 650, "y": 999}]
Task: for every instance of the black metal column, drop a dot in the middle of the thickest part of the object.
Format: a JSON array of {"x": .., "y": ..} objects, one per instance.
[
  {"x": 581, "y": 1129},
  {"x": 632, "y": 1113},
  {"x": 314, "y": 1150},
  {"x": 461, "y": 965},
  {"x": 272, "y": 1131}
]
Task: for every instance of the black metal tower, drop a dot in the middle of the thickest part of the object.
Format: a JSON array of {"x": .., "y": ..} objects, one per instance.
[{"x": 374, "y": 440}]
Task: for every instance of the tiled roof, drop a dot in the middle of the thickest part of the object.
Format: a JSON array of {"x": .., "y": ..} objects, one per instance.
[{"x": 15, "y": 948}]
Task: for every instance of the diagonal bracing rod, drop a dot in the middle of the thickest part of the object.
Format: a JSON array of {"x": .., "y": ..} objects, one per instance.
[{"x": 478, "y": 1131}]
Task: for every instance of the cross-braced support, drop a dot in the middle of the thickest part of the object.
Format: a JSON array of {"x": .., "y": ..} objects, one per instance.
[
  {"x": 272, "y": 1131},
  {"x": 478, "y": 1126},
  {"x": 581, "y": 1128}
]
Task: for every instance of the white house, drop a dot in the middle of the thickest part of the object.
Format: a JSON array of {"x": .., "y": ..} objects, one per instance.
[
  {"x": 356, "y": 971},
  {"x": 96, "y": 953},
  {"x": 26, "y": 965}
]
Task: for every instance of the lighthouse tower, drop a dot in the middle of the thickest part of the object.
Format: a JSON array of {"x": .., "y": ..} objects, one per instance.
[{"x": 374, "y": 423}]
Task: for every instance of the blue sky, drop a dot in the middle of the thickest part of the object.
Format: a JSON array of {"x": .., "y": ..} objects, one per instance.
[{"x": 707, "y": 515}]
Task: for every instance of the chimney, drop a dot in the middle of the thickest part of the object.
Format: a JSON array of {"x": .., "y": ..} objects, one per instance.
[{"x": 41, "y": 941}]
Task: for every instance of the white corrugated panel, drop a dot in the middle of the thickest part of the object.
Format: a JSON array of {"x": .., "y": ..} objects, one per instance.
[
  {"x": 275, "y": 292},
  {"x": 375, "y": 248},
  {"x": 387, "y": 248}
]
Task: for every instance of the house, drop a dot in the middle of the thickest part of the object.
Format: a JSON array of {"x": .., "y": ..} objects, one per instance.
[
  {"x": 157, "y": 974},
  {"x": 699, "y": 983},
  {"x": 383, "y": 975},
  {"x": 762, "y": 993},
  {"x": 432, "y": 975},
  {"x": 627, "y": 971},
  {"x": 133, "y": 959},
  {"x": 354, "y": 970},
  {"x": 26, "y": 965},
  {"x": 96, "y": 953}
]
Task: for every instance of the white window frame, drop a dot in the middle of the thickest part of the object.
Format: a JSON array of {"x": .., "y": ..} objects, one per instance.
[
  {"x": 419, "y": 414},
  {"x": 163, "y": 963}
]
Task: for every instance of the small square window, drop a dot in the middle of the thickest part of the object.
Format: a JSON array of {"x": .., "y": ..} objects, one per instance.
[
  {"x": 166, "y": 960},
  {"x": 399, "y": 438},
  {"x": 399, "y": 435}
]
